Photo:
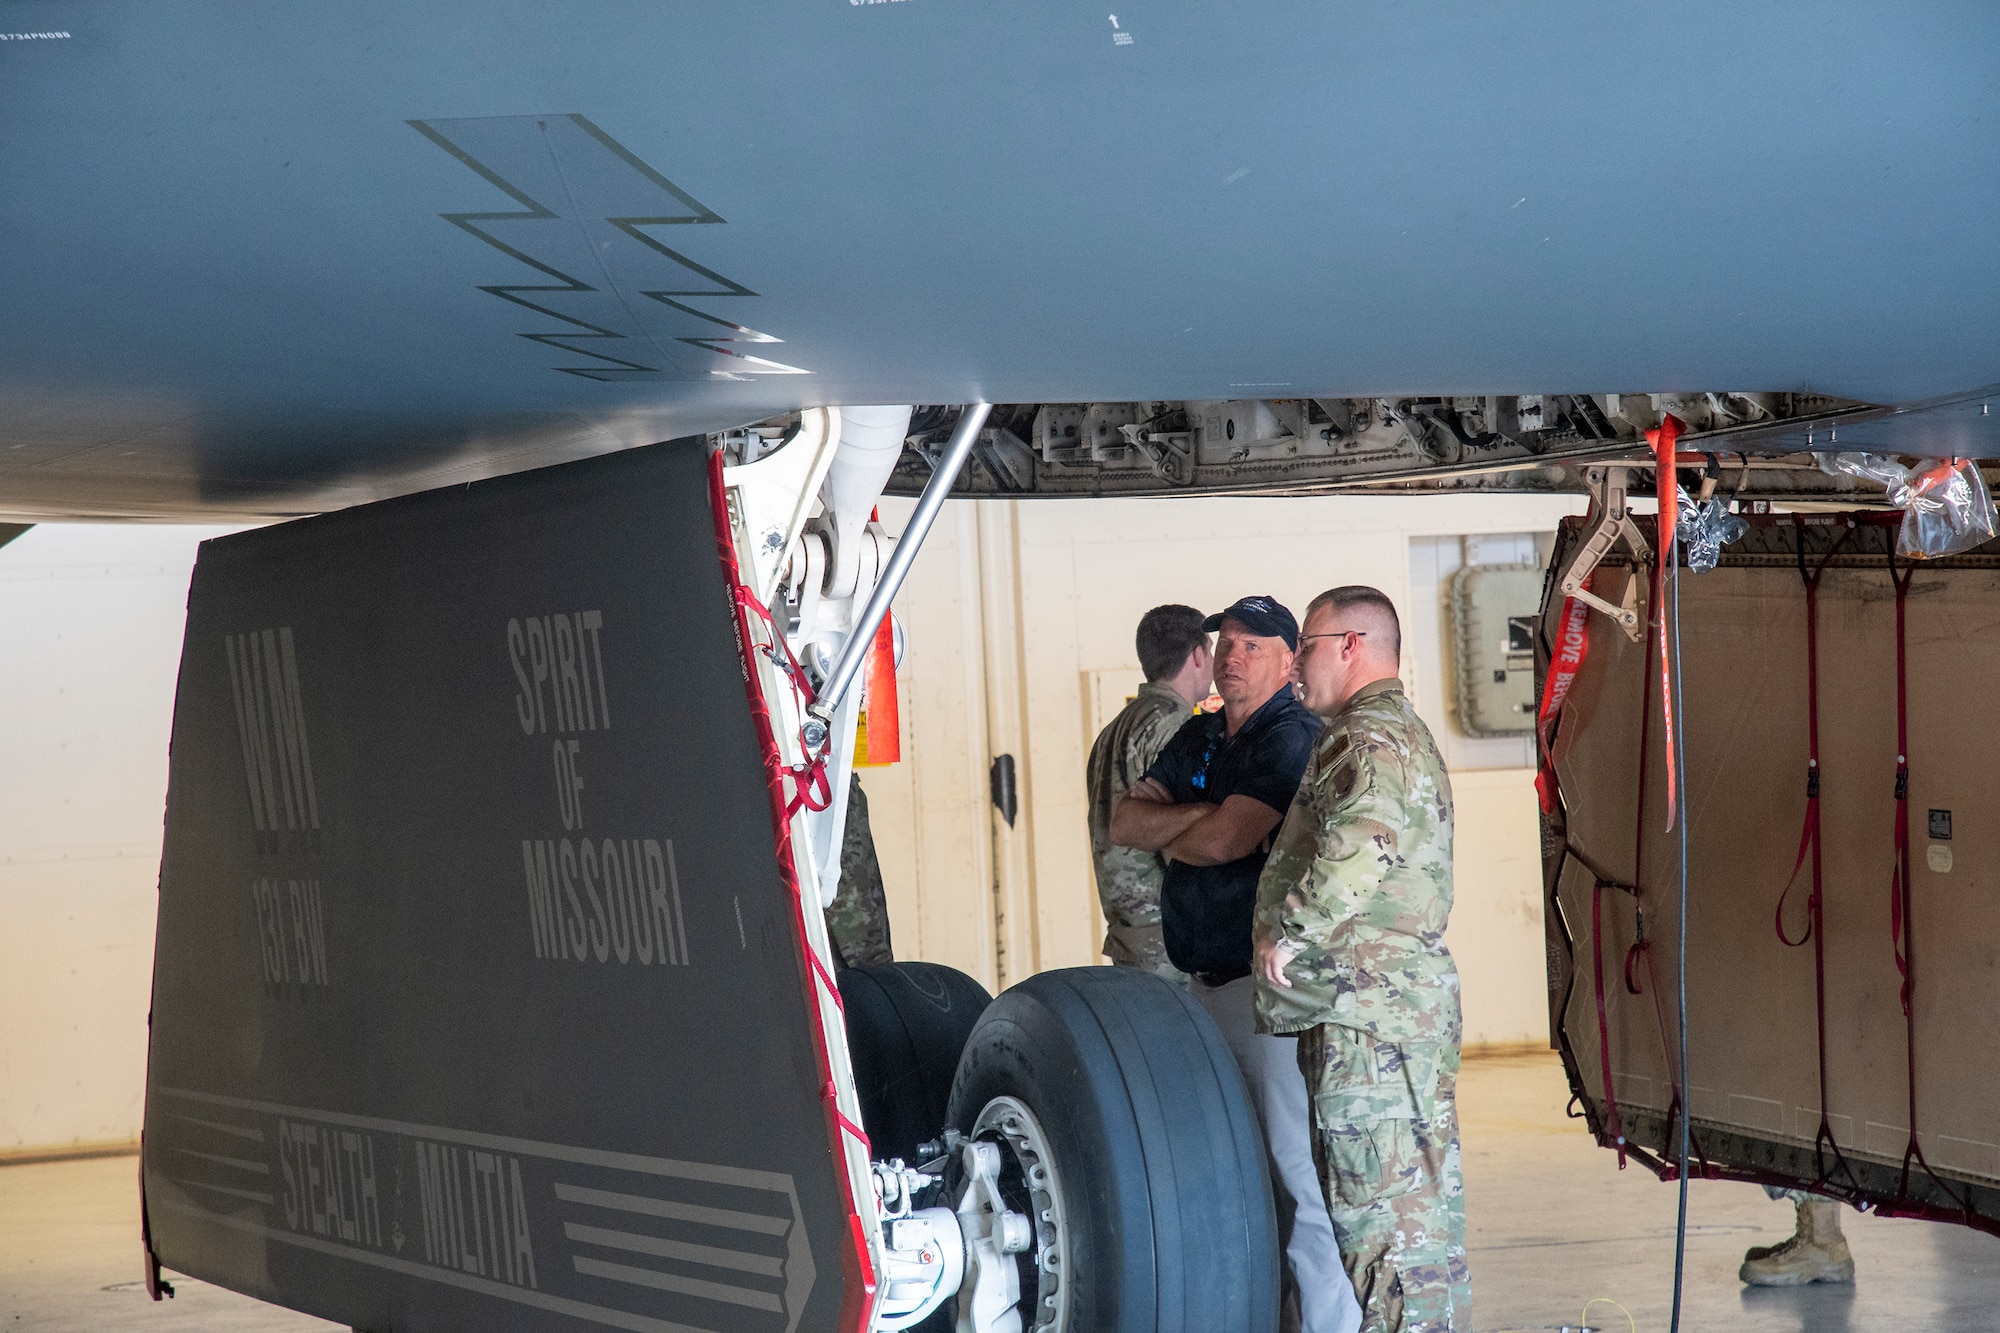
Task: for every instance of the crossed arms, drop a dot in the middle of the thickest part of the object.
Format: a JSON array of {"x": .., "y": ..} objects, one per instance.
[{"x": 1197, "y": 833}]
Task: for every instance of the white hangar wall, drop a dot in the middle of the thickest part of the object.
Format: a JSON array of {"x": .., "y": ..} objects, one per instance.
[
  {"x": 93, "y": 617},
  {"x": 1020, "y": 616}
]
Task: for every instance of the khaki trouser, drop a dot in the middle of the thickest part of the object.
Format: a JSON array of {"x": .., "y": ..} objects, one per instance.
[{"x": 1270, "y": 1067}]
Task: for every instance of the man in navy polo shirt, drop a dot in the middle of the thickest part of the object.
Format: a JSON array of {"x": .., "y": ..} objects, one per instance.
[{"x": 1211, "y": 802}]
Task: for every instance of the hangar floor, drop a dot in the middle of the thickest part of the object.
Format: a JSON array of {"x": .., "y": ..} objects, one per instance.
[{"x": 1553, "y": 1225}]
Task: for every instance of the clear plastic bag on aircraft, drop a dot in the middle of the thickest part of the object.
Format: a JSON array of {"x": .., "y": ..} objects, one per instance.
[
  {"x": 1704, "y": 528},
  {"x": 1947, "y": 509},
  {"x": 1946, "y": 505},
  {"x": 1869, "y": 467}
]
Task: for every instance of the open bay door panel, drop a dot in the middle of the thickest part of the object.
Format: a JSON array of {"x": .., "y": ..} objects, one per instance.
[
  {"x": 1830, "y": 1022},
  {"x": 480, "y": 995}
]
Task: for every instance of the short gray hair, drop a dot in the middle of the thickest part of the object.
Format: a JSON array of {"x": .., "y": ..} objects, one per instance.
[{"x": 1349, "y": 596}]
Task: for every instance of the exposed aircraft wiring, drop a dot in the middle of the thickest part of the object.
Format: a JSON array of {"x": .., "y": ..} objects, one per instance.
[{"x": 1742, "y": 478}]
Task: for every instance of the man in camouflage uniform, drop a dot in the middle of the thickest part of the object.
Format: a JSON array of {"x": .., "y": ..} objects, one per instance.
[
  {"x": 1211, "y": 803},
  {"x": 1351, "y": 912},
  {"x": 857, "y": 920},
  {"x": 1174, "y": 654}
]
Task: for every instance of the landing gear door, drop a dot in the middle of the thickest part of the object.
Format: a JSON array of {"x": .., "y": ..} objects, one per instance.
[{"x": 479, "y": 997}]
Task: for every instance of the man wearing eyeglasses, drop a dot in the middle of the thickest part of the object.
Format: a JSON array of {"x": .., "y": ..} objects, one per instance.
[
  {"x": 1210, "y": 802},
  {"x": 1351, "y": 912}
]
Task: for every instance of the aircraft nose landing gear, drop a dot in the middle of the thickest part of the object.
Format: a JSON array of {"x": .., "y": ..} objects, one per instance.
[
  {"x": 1005, "y": 1238},
  {"x": 1107, "y": 1171}
]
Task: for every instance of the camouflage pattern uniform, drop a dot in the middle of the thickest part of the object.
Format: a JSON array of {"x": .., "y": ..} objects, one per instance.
[
  {"x": 857, "y": 920},
  {"x": 1128, "y": 881},
  {"x": 1359, "y": 882}
]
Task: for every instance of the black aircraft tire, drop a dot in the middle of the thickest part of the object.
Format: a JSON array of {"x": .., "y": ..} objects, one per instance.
[
  {"x": 1165, "y": 1199},
  {"x": 906, "y": 1025}
]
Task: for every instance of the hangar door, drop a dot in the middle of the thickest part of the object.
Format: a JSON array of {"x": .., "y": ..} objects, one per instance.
[{"x": 478, "y": 998}]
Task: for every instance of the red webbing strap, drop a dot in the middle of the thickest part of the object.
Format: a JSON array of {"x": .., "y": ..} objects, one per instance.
[
  {"x": 1666, "y": 1170},
  {"x": 1670, "y": 1168},
  {"x": 1809, "y": 842},
  {"x": 1639, "y": 807},
  {"x": 1641, "y": 948},
  {"x": 1666, "y": 488},
  {"x": 1571, "y": 649},
  {"x": 1613, "y": 1121},
  {"x": 832, "y": 1096},
  {"x": 1809, "y": 839},
  {"x": 810, "y": 789},
  {"x": 1613, "y": 1124},
  {"x": 1899, "y": 873},
  {"x": 858, "y": 1301},
  {"x": 1901, "y": 920},
  {"x": 832, "y": 986},
  {"x": 796, "y": 674}
]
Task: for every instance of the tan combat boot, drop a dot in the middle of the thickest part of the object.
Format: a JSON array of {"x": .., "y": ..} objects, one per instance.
[{"x": 1816, "y": 1253}]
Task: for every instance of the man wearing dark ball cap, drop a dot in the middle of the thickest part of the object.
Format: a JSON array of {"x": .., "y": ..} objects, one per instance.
[{"x": 1210, "y": 803}]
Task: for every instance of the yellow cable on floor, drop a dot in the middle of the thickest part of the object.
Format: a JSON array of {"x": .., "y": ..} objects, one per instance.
[{"x": 1584, "y": 1318}]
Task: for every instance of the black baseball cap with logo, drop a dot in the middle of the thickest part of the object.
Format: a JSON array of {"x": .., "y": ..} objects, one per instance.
[{"x": 1260, "y": 615}]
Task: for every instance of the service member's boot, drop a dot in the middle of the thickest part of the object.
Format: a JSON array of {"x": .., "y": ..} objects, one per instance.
[{"x": 1816, "y": 1253}]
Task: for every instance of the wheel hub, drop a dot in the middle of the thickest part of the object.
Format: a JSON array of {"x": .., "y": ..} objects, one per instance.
[{"x": 1030, "y": 1184}]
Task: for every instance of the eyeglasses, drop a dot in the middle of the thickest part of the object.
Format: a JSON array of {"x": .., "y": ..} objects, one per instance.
[{"x": 1335, "y": 634}]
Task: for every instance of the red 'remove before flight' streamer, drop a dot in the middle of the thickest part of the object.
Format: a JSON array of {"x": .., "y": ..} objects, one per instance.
[{"x": 1572, "y": 646}]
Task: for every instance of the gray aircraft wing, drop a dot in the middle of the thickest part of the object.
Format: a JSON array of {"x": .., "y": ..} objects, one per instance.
[{"x": 284, "y": 260}]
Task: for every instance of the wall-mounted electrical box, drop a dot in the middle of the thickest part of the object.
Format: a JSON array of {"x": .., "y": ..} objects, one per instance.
[{"x": 1493, "y": 610}]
